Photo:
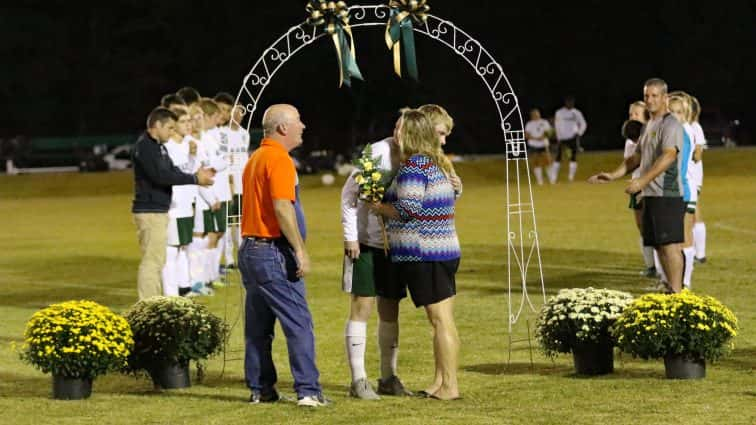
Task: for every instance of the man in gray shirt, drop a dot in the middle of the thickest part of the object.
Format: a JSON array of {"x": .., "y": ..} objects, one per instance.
[{"x": 659, "y": 181}]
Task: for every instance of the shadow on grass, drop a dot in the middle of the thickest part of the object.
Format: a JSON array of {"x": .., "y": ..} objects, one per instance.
[
  {"x": 562, "y": 268},
  {"x": 741, "y": 358},
  {"x": 553, "y": 369},
  {"x": 107, "y": 280},
  {"x": 15, "y": 385}
]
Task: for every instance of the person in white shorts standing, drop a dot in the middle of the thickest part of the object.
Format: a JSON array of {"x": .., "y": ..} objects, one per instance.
[
  {"x": 182, "y": 151},
  {"x": 697, "y": 173},
  {"x": 536, "y": 132}
]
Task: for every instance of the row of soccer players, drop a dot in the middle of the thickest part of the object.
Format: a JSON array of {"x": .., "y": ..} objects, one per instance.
[{"x": 208, "y": 134}]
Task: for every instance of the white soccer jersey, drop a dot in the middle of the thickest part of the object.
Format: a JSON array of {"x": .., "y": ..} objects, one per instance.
[
  {"x": 630, "y": 148},
  {"x": 696, "y": 168},
  {"x": 569, "y": 123},
  {"x": 537, "y": 129},
  {"x": 212, "y": 145},
  {"x": 183, "y": 195},
  {"x": 238, "y": 145}
]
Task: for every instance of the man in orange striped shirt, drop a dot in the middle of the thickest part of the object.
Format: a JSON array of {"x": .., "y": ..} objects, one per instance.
[{"x": 273, "y": 261}]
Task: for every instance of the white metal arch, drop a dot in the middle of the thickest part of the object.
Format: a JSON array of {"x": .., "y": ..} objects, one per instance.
[{"x": 522, "y": 241}]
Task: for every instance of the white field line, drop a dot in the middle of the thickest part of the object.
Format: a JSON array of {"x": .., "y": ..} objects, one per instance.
[{"x": 734, "y": 229}]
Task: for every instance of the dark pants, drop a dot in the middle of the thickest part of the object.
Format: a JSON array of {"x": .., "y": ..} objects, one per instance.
[
  {"x": 573, "y": 144},
  {"x": 272, "y": 295}
]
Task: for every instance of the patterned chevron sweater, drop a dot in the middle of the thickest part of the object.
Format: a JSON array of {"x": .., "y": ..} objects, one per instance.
[{"x": 424, "y": 198}]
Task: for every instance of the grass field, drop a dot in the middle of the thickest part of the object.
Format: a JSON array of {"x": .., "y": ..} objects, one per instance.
[{"x": 70, "y": 236}]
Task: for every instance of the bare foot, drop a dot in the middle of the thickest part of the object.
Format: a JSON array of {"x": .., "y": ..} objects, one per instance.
[{"x": 446, "y": 394}]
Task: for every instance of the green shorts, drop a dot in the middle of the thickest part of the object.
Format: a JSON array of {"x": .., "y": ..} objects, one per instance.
[
  {"x": 635, "y": 203},
  {"x": 215, "y": 221},
  {"x": 180, "y": 231},
  {"x": 370, "y": 270}
]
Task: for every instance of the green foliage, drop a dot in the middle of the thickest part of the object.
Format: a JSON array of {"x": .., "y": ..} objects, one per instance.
[
  {"x": 578, "y": 315},
  {"x": 76, "y": 339},
  {"x": 694, "y": 326},
  {"x": 173, "y": 330}
]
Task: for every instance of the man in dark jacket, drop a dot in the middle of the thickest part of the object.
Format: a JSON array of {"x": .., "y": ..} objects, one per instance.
[{"x": 154, "y": 176}]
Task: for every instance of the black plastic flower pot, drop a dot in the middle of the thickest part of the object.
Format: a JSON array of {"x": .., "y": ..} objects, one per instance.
[
  {"x": 593, "y": 358},
  {"x": 65, "y": 388},
  {"x": 681, "y": 367},
  {"x": 170, "y": 375}
]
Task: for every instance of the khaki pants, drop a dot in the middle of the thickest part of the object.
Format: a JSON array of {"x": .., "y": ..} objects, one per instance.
[{"x": 152, "y": 234}]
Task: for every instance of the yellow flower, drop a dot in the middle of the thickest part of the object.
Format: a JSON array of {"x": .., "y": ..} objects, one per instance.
[
  {"x": 368, "y": 165},
  {"x": 359, "y": 179},
  {"x": 376, "y": 176}
]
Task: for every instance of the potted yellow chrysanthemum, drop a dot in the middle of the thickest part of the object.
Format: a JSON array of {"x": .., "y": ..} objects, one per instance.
[
  {"x": 76, "y": 341},
  {"x": 685, "y": 329}
]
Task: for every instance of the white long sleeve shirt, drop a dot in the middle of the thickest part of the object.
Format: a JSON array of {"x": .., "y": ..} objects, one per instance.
[
  {"x": 359, "y": 223},
  {"x": 569, "y": 123}
]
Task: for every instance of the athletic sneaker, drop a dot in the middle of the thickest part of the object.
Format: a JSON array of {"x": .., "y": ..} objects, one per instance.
[
  {"x": 313, "y": 401},
  {"x": 361, "y": 389},
  {"x": 217, "y": 284},
  {"x": 392, "y": 386},
  {"x": 258, "y": 397},
  {"x": 649, "y": 273},
  {"x": 199, "y": 288}
]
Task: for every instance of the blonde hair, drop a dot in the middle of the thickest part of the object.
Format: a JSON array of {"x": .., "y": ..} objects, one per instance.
[
  {"x": 680, "y": 102},
  {"x": 640, "y": 104},
  {"x": 208, "y": 106},
  {"x": 418, "y": 136},
  {"x": 695, "y": 109},
  {"x": 437, "y": 115}
]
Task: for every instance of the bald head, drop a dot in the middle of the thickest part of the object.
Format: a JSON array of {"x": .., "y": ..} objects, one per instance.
[
  {"x": 282, "y": 122},
  {"x": 277, "y": 115}
]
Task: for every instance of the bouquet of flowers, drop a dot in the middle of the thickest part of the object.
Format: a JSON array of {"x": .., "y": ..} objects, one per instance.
[
  {"x": 578, "y": 315},
  {"x": 372, "y": 180},
  {"x": 693, "y": 326},
  {"x": 173, "y": 330},
  {"x": 77, "y": 339}
]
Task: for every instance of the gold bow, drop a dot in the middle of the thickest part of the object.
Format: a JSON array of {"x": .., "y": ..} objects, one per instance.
[
  {"x": 399, "y": 31},
  {"x": 335, "y": 16}
]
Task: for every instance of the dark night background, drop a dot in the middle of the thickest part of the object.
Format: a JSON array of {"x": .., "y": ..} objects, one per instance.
[{"x": 97, "y": 68}]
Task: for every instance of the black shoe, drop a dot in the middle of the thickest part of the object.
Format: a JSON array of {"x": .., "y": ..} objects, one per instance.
[
  {"x": 699, "y": 260},
  {"x": 258, "y": 397},
  {"x": 650, "y": 273}
]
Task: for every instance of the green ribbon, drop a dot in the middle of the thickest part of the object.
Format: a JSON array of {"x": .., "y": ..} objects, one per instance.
[
  {"x": 335, "y": 17},
  {"x": 399, "y": 34}
]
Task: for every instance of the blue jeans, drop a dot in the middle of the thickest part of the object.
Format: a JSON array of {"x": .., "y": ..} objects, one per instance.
[{"x": 274, "y": 292}]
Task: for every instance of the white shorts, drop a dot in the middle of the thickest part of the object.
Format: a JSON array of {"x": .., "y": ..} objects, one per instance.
[{"x": 695, "y": 174}]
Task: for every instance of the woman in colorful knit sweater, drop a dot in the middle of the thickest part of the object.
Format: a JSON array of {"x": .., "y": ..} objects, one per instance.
[{"x": 423, "y": 241}]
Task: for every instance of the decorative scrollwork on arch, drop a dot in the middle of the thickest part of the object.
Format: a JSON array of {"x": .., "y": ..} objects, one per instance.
[{"x": 443, "y": 31}]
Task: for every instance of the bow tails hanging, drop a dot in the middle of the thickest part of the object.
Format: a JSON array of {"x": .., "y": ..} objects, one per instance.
[
  {"x": 335, "y": 17},
  {"x": 399, "y": 34}
]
